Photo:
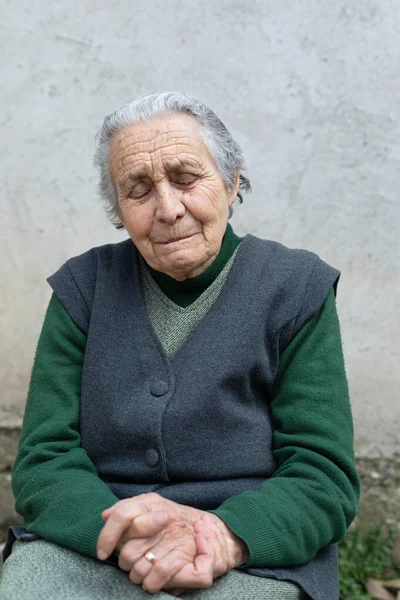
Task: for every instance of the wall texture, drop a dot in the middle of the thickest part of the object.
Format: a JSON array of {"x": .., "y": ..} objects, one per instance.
[{"x": 311, "y": 89}]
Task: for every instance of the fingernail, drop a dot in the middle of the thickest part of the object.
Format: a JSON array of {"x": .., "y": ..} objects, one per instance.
[{"x": 101, "y": 554}]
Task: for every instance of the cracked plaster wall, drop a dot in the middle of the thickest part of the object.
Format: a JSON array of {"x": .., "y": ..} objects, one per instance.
[{"x": 310, "y": 89}]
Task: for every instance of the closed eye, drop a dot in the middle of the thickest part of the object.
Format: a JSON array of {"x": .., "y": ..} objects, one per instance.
[
  {"x": 186, "y": 181},
  {"x": 138, "y": 197},
  {"x": 140, "y": 190}
]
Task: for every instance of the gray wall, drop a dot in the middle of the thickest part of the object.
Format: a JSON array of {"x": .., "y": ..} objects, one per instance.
[{"x": 309, "y": 88}]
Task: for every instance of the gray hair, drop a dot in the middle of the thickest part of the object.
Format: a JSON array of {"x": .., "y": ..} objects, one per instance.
[{"x": 227, "y": 154}]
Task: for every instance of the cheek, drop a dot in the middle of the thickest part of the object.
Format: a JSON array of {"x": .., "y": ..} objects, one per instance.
[
  {"x": 138, "y": 220},
  {"x": 202, "y": 203}
]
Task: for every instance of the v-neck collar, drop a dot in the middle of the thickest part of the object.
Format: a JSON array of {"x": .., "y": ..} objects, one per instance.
[{"x": 233, "y": 280}]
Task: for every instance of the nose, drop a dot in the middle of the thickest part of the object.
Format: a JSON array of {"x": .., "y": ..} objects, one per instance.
[{"x": 169, "y": 205}]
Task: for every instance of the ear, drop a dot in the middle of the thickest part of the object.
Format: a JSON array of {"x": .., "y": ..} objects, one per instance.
[
  {"x": 119, "y": 220},
  {"x": 236, "y": 187}
]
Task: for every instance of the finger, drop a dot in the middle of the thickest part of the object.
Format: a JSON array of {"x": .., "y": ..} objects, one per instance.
[
  {"x": 198, "y": 574},
  {"x": 207, "y": 519},
  {"x": 201, "y": 527},
  {"x": 205, "y": 554},
  {"x": 109, "y": 537},
  {"x": 119, "y": 520},
  {"x": 165, "y": 568},
  {"x": 146, "y": 526},
  {"x": 160, "y": 517},
  {"x": 140, "y": 570},
  {"x": 106, "y": 513},
  {"x": 217, "y": 542},
  {"x": 134, "y": 550},
  {"x": 149, "y": 524},
  {"x": 177, "y": 592},
  {"x": 202, "y": 545}
]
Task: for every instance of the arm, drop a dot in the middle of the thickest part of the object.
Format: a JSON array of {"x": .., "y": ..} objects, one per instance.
[
  {"x": 56, "y": 486},
  {"x": 312, "y": 497}
]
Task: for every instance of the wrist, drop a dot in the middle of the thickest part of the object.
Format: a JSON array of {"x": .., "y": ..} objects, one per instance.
[{"x": 238, "y": 549}]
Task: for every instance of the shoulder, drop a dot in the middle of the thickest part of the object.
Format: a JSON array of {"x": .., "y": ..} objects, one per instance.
[
  {"x": 106, "y": 255},
  {"x": 288, "y": 259},
  {"x": 295, "y": 263},
  {"x": 300, "y": 278},
  {"x": 74, "y": 283}
]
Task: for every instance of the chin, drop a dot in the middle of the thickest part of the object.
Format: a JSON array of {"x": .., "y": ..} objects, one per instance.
[{"x": 182, "y": 264}]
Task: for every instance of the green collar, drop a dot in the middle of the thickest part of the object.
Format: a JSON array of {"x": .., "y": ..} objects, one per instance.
[{"x": 185, "y": 292}]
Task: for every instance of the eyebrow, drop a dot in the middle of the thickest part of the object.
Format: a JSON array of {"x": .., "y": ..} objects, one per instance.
[
  {"x": 132, "y": 177},
  {"x": 170, "y": 166},
  {"x": 179, "y": 166}
]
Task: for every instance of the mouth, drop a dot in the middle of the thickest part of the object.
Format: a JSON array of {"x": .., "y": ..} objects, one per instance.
[{"x": 177, "y": 239}]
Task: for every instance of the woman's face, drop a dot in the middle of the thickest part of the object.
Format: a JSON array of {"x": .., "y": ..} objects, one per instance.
[{"x": 172, "y": 200}]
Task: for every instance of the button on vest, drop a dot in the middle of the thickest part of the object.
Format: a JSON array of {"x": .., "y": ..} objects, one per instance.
[
  {"x": 158, "y": 387},
  {"x": 152, "y": 457}
]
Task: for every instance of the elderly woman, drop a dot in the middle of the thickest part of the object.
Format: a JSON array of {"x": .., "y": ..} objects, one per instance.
[{"x": 188, "y": 426}]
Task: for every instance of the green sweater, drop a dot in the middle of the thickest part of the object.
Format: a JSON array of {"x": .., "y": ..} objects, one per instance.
[{"x": 61, "y": 497}]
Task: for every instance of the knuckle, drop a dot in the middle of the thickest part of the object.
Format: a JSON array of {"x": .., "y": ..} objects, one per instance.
[
  {"x": 167, "y": 517},
  {"x": 122, "y": 563},
  {"x": 126, "y": 553},
  {"x": 154, "y": 496},
  {"x": 140, "y": 569},
  {"x": 163, "y": 570},
  {"x": 135, "y": 577},
  {"x": 159, "y": 517},
  {"x": 152, "y": 588},
  {"x": 120, "y": 511}
]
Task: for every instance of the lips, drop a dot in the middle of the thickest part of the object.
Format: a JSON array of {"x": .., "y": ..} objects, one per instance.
[{"x": 177, "y": 239}]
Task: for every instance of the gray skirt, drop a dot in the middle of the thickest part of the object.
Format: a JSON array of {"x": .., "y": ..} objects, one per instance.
[{"x": 41, "y": 570}]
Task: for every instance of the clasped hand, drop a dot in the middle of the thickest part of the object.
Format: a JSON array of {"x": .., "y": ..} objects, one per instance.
[{"x": 191, "y": 547}]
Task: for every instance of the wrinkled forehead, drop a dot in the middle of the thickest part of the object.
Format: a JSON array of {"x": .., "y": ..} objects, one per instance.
[{"x": 168, "y": 135}]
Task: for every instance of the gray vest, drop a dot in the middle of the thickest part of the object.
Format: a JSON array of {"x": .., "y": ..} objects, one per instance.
[{"x": 195, "y": 428}]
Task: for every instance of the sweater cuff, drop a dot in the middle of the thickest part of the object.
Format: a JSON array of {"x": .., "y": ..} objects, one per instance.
[
  {"x": 243, "y": 516},
  {"x": 88, "y": 538}
]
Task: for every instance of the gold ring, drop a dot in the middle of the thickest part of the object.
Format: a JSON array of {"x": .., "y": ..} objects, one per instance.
[{"x": 150, "y": 556}]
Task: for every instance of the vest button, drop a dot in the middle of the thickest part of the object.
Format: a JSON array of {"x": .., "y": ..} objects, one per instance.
[
  {"x": 152, "y": 457},
  {"x": 158, "y": 387}
]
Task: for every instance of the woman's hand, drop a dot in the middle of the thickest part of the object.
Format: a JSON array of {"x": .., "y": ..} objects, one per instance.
[{"x": 191, "y": 547}]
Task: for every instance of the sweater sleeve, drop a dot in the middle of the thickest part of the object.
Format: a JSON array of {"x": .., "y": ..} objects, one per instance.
[
  {"x": 313, "y": 496},
  {"x": 57, "y": 489}
]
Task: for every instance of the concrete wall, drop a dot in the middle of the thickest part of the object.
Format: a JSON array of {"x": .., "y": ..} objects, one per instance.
[{"x": 311, "y": 89}]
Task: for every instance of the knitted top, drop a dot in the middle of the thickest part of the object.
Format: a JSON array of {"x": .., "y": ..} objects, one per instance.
[
  {"x": 173, "y": 323},
  {"x": 49, "y": 491}
]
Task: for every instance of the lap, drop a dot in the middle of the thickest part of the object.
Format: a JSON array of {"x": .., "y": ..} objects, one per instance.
[{"x": 41, "y": 570}]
